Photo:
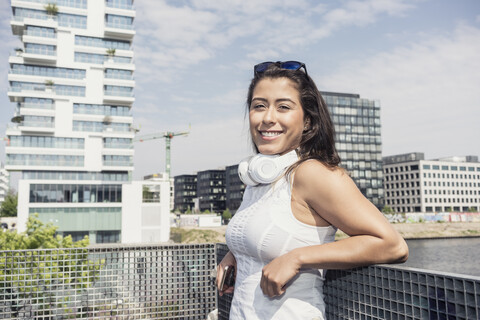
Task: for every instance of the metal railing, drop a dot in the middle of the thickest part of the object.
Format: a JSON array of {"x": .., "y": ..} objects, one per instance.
[
  {"x": 391, "y": 292},
  {"x": 174, "y": 282},
  {"x": 124, "y": 282}
]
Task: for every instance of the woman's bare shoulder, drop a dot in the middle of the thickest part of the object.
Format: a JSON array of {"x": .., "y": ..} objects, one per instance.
[{"x": 314, "y": 169}]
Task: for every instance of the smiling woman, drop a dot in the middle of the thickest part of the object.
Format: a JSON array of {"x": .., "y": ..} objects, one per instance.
[{"x": 281, "y": 239}]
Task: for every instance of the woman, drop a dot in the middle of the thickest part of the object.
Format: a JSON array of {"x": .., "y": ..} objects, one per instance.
[{"x": 282, "y": 237}]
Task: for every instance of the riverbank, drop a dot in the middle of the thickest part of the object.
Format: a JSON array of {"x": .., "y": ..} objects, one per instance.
[{"x": 425, "y": 230}]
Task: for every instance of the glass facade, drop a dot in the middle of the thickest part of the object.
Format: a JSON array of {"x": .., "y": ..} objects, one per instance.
[
  {"x": 116, "y": 21},
  {"x": 95, "y": 126},
  {"x": 211, "y": 190},
  {"x": 64, "y": 19},
  {"x": 76, "y": 175},
  {"x": 120, "y": 4},
  {"x": 99, "y": 58},
  {"x": 185, "y": 191},
  {"x": 44, "y": 71},
  {"x": 234, "y": 188},
  {"x": 102, "y": 43},
  {"x": 106, "y": 110},
  {"x": 40, "y": 32},
  {"x": 82, "y": 4},
  {"x": 50, "y": 160},
  {"x": 358, "y": 141},
  {"x": 46, "y": 142},
  {"x": 89, "y": 193}
]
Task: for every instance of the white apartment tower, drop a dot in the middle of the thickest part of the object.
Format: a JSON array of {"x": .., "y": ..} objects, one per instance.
[
  {"x": 71, "y": 84},
  {"x": 413, "y": 184}
]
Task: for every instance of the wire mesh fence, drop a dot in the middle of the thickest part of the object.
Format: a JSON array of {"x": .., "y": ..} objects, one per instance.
[
  {"x": 125, "y": 282},
  {"x": 174, "y": 282},
  {"x": 391, "y": 292}
]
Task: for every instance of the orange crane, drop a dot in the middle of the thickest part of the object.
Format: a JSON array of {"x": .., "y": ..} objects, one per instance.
[{"x": 168, "y": 136}]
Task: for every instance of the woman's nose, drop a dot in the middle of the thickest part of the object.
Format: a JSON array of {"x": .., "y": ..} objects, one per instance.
[{"x": 269, "y": 116}]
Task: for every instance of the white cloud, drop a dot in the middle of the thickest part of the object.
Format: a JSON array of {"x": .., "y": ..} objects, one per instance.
[{"x": 428, "y": 91}]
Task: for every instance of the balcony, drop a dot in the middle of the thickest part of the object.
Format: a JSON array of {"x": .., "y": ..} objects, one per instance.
[
  {"x": 117, "y": 96},
  {"x": 119, "y": 31},
  {"x": 174, "y": 282}
]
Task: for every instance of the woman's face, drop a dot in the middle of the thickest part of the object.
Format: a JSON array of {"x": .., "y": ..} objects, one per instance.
[{"x": 276, "y": 116}]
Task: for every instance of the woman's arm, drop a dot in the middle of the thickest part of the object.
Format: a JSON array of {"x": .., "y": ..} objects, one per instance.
[{"x": 331, "y": 194}]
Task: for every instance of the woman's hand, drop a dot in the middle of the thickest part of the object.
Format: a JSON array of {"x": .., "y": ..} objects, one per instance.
[
  {"x": 278, "y": 273},
  {"x": 228, "y": 260}
]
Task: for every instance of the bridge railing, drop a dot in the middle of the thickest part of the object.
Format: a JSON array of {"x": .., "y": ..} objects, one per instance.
[{"x": 174, "y": 282}]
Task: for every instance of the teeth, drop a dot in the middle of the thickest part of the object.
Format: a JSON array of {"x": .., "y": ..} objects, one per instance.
[{"x": 270, "y": 133}]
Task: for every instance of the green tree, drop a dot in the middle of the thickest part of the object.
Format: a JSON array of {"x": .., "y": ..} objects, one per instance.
[
  {"x": 387, "y": 210},
  {"x": 226, "y": 215},
  {"x": 9, "y": 205},
  {"x": 49, "y": 275},
  {"x": 51, "y": 9}
]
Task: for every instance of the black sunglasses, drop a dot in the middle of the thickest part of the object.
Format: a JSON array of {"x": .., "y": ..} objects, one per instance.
[{"x": 288, "y": 65}]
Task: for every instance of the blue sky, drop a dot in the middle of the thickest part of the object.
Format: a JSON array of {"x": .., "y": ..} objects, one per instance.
[{"x": 194, "y": 60}]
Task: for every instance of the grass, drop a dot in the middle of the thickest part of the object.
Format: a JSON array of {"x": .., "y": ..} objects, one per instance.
[{"x": 179, "y": 235}]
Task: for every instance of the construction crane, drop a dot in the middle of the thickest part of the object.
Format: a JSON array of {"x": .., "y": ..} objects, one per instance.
[{"x": 168, "y": 136}]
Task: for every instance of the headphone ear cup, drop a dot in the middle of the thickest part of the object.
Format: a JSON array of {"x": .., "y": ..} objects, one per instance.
[
  {"x": 243, "y": 172},
  {"x": 264, "y": 169}
]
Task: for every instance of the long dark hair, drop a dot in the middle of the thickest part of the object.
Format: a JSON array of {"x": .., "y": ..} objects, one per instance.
[{"x": 318, "y": 141}]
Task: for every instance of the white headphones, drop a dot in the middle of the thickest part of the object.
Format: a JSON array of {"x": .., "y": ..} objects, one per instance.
[{"x": 264, "y": 169}]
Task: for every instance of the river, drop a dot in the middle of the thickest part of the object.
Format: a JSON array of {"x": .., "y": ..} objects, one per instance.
[{"x": 457, "y": 255}]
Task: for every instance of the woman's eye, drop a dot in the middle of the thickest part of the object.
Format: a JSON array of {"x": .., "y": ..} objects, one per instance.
[
  {"x": 284, "y": 107},
  {"x": 258, "y": 106}
]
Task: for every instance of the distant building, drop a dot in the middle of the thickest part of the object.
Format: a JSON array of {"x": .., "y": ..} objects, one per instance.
[
  {"x": 71, "y": 135},
  {"x": 163, "y": 176},
  {"x": 413, "y": 184},
  {"x": 358, "y": 141},
  {"x": 211, "y": 191},
  {"x": 185, "y": 192},
  {"x": 234, "y": 188},
  {"x": 4, "y": 183}
]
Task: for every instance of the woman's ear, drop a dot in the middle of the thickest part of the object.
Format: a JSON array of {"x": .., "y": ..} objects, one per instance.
[{"x": 306, "y": 125}]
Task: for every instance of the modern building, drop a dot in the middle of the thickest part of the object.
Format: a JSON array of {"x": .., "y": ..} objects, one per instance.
[
  {"x": 185, "y": 192},
  {"x": 4, "y": 183},
  {"x": 234, "y": 188},
  {"x": 211, "y": 190},
  {"x": 413, "y": 184},
  {"x": 358, "y": 141},
  {"x": 163, "y": 176},
  {"x": 71, "y": 85}
]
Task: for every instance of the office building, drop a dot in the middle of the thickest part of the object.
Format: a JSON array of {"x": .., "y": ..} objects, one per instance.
[
  {"x": 71, "y": 85},
  {"x": 185, "y": 187},
  {"x": 234, "y": 188},
  {"x": 211, "y": 190},
  {"x": 413, "y": 184},
  {"x": 358, "y": 141}
]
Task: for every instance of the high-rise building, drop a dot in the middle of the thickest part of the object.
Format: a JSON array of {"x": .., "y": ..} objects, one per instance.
[
  {"x": 4, "y": 183},
  {"x": 72, "y": 85},
  {"x": 185, "y": 187},
  {"x": 358, "y": 141},
  {"x": 211, "y": 190},
  {"x": 234, "y": 188},
  {"x": 413, "y": 184}
]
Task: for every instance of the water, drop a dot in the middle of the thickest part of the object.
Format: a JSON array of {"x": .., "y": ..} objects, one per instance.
[{"x": 460, "y": 255}]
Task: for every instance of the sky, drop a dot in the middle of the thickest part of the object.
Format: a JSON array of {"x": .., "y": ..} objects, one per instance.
[{"x": 194, "y": 60}]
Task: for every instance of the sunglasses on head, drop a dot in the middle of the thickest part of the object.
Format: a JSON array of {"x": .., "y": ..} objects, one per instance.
[{"x": 288, "y": 65}]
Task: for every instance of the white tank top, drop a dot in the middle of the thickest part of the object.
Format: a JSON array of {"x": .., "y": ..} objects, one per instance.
[{"x": 262, "y": 229}]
